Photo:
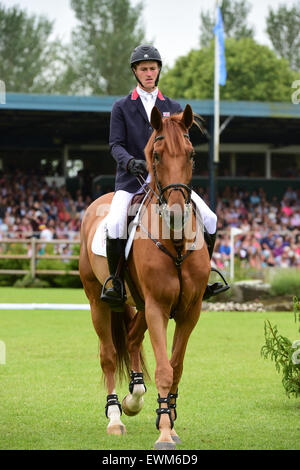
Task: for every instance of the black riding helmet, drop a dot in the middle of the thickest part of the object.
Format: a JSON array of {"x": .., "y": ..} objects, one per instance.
[{"x": 142, "y": 53}]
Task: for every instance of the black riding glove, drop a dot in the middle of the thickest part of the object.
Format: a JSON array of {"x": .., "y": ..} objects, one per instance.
[{"x": 137, "y": 167}]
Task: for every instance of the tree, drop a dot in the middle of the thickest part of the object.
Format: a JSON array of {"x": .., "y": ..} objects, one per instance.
[
  {"x": 234, "y": 15},
  {"x": 28, "y": 59},
  {"x": 102, "y": 44},
  {"x": 283, "y": 28},
  {"x": 254, "y": 73}
]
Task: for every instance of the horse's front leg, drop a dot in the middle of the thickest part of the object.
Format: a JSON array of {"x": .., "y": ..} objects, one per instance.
[
  {"x": 133, "y": 401},
  {"x": 157, "y": 321},
  {"x": 183, "y": 330}
]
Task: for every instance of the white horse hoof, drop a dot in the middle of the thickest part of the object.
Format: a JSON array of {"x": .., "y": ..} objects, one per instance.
[
  {"x": 135, "y": 407},
  {"x": 116, "y": 429},
  {"x": 133, "y": 402}
]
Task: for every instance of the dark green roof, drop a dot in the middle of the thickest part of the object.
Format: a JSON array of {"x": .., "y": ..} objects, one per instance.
[{"x": 103, "y": 104}]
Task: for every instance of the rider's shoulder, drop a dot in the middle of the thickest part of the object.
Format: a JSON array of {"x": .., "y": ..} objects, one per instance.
[{"x": 120, "y": 102}]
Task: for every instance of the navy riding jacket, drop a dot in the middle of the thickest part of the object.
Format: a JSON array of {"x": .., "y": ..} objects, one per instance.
[{"x": 130, "y": 131}]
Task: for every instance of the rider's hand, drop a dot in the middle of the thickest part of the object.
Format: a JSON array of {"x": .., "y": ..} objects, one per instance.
[{"x": 137, "y": 167}]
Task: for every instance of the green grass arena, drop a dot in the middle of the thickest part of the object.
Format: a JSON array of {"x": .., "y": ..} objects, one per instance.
[{"x": 51, "y": 395}]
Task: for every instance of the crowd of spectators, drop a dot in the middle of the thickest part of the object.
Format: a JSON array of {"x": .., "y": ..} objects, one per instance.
[
  {"x": 270, "y": 229},
  {"x": 30, "y": 207}
]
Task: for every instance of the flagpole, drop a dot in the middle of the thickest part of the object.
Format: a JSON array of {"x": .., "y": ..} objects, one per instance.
[
  {"x": 214, "y": 128},
  {"x": 216, "y": 95}
]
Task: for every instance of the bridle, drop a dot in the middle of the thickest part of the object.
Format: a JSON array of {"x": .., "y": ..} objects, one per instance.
[
  {"x": 163, "y": 203},
  {"x": 174, "y": 186}
]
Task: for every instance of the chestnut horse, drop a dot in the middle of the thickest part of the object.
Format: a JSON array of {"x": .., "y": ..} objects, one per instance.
[{"x": 169, "y": 274}]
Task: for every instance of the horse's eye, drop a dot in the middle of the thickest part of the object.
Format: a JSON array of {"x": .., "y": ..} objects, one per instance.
[{"x": 156, "y": 156}]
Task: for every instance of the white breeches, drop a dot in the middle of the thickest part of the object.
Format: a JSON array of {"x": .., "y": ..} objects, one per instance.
[
  {"x": 116, "y": 221},
  {"x": 208, "y": 216}
]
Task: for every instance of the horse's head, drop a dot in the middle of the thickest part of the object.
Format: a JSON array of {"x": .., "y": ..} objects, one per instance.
[{"x": 170, "y": 157}]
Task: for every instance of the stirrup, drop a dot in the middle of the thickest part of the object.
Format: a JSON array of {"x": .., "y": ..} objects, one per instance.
[
  {"x": 217, "y": 287},
  {"x": 114, "y": 297}
]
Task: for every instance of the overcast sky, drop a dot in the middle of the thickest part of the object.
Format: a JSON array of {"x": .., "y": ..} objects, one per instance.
[{"x": 173, "y": 25}]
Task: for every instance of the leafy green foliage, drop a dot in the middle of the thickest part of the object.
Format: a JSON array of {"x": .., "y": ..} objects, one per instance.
[
  {"x": 286, "y": 282},
  {"x": 234, "y": 15},
  {"x": 60, "y": 280},
  {"x": 102, "y": 43},
  {"x": 29, "y": 59},
  {"x": 12, "y": 249},
  {"x": 283, "y": 28},
  {"x": 254, "y": 73},
  {"x": 280, "y": 349},
  {"x": 41, "y": 280}
]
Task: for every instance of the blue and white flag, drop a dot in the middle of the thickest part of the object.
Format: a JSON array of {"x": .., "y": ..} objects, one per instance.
[{"x": 219, "y": 32}]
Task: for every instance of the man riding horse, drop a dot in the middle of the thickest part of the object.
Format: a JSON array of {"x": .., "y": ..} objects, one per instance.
[{"x": 130, "y": 130}]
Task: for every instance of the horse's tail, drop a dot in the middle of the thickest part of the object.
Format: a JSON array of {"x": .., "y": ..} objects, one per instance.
[{"x": 119, "y": 327}]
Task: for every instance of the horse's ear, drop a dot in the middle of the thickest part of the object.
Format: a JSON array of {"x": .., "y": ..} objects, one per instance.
[
  {"x": 187, "y": 117},
  {"x": 156, "y": 119}
]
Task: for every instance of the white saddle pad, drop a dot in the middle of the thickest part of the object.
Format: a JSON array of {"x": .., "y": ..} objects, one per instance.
[{"x": 99, "y": 240}]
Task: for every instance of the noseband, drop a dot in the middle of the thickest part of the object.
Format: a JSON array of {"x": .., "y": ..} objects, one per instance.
[{"x": 174, "y": 187}]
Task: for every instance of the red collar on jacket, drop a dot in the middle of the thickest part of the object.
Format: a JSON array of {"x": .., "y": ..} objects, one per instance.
[{"x": 135, "y": 95}]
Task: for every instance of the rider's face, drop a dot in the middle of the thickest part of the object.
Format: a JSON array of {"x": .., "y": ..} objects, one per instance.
[{"x": 147, "y": 72}]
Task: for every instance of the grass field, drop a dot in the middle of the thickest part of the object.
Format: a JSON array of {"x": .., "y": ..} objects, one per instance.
[{"x": 51, "y": 395}]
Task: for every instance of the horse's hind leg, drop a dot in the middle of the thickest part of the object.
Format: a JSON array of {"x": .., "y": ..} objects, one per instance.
[
  {"x": 101, "y": 318},
  {"x": 133, "y": 401}
]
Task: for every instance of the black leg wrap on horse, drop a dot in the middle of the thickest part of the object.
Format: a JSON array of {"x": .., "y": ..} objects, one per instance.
[
  {"x": 112, "y": 400},
  {"x": 160, "y": 411},
  {"x": 172, "y": 406},
  {"x": 136, "y": 378}
]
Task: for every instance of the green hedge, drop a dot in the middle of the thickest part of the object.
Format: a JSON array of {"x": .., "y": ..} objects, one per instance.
[
  {"x": 286, "y": 281},
  {"x": 41, "y": 280}
]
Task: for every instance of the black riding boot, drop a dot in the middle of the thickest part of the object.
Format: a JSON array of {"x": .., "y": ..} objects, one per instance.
[
  {"x": 115, "y": 296},
  {"x": 217, "y": 287}
]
